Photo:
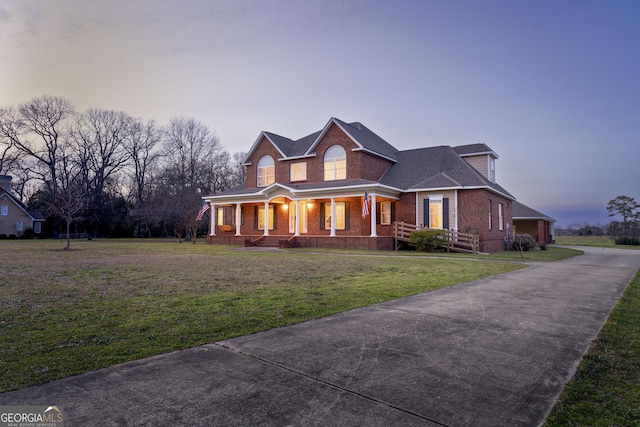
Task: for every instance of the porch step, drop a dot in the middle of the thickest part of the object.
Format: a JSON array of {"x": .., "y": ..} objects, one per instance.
[{"x": 266, "y": 241}]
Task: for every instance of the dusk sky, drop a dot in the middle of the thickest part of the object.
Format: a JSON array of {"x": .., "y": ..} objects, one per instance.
[{"x": 552, "y": 86}]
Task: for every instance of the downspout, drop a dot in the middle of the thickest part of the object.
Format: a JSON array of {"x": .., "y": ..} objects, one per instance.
[
  {"x": 417, "y": 212},
  {"x": 455, "y": 210}
]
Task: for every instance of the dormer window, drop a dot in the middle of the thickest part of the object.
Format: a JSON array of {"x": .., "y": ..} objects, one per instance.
[
  {"x": 266, "y": 171},
  {"x": 335, "y": 163}
]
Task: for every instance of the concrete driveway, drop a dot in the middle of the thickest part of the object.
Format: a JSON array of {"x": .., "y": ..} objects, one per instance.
[{"x": 491, "y": 352}]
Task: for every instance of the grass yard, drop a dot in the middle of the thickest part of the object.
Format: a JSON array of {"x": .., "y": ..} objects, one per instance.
[
  {"x": 606, "y": 388},
  {"x": 551, "y": 254},
  {"x": 600, "y": 241},
  {"x": 110, "y": 301}
]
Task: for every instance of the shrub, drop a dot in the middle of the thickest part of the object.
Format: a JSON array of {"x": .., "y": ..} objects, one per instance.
[
  {"x": 628, "y": 240},
  {"x": 523, "y": 242},
  {"x": 28, "y": 234},
  {"x": 3, "y": 236},
  {"x": 543, "y": 246},
  {"x": 429, "y": 240},
  {"x": 13, "y": 237}
]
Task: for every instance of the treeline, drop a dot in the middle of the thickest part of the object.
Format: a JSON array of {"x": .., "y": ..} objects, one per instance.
[
  {"x": 107, "y": 174},
  {"x": 583, "y": 229},
  {"x": 624, "y": 231}
]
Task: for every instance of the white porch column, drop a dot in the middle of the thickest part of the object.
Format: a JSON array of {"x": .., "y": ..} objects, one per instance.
[
  {"x": 297, "y": 233},
  {"x": 374, "y": 232},
  {"x": 333, "y": 217},
  {"x": 238, "y": 218},
  {"x": 266, "y": 218},
  {"x": 212, "y": 220}
]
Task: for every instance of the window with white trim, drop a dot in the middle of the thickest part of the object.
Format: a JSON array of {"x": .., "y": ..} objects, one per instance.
[
  {"x": 272, "y": 215},
  {"x": 4, "y": 210},
  {"x": 37, "y": 227},
  {"x": 19, "y": 226},
  {"x": 335, "y": 163},
  {"x": 492, "y": 169},
  {"x": 435, "y": 212},
  {"x": 385, "y": 213},
  {"x": 220, "y": 215},
  {"x": 266, "y": 171},
  {"x": 341, "y": 216},
  {"x": 298, "y": 171},
  {"x": 500, "y": 216}
]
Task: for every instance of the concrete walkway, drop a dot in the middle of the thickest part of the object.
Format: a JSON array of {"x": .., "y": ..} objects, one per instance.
[{"x": 491, "y": 352}]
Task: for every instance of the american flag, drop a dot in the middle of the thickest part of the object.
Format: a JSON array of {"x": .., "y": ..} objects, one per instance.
[
  {"x": 203, "y": 209},
  {"x": 365, "y": 205}
]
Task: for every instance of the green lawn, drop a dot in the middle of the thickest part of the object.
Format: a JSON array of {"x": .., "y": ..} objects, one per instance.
[
  {"x": 600, "y": 241},
  {"x": 551, "y": 254},
  {"x": 110, "y": 301},
  {"x": 606, "y": 388}
]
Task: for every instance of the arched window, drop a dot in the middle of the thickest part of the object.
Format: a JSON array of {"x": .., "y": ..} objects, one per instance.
[
  {"x": 266, "y": 171},
  {"x": 335, "y": 163}
]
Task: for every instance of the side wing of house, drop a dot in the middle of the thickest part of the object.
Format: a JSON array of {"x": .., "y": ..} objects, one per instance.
[
  {"x": 14, "y": 217},
  {"x": 527, "y": 220}
]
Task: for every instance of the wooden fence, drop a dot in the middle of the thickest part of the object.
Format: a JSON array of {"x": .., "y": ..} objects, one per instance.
[{"x": 456, "y": 241}]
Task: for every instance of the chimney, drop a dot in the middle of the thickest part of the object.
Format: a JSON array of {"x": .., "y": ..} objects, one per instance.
[{"x": 5, "y": 182}]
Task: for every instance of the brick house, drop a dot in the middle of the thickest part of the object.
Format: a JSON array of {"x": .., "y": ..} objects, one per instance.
[
  {"x": 311, "y": 192},
  {"x": 15, "y": 216}
]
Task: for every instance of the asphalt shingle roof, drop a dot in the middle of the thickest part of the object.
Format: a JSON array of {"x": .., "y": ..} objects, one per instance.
[
  {"x": 472, "y": 149},
  {"x": 419, "y": 169},
  {"x": 435, "y": 167},
  {"x": 521, "y": 211},
  {"x": 368, "y": 139}
]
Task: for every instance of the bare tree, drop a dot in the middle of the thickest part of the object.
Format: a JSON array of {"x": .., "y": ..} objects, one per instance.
[
  {"x": 141, "y": 144},
  {"x": 238, "y": 171},
  {"x": 9, "y": 154},
  {"x": 189, "y": 153},
  {"x": 69, "y": 202},
  {"x": 100, "y": 152},
  {"x": 38, "y": 131},
  {"x": 69, "y": 205}
]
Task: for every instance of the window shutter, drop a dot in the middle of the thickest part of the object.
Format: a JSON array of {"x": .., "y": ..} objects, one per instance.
[
  {"x": 255, "y": 217},
  {"x": 346, "y": 216},
  {"x": 378, "y": 213},
  {"x": 322, "y": 217},
  {"x": 425, "y": 214},
  {"x": 272, "y": 211},
  {"x": 242, "y": 215},
  {"x": 445, "y": 213},
  {"x": 393, "y": 212}
]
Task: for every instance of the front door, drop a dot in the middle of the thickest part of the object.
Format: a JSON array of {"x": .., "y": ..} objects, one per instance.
[{"x": 292, "y": 217}]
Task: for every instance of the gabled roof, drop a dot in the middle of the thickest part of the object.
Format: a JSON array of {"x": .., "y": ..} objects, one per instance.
[
  {"x": 362, "y": 136},
  {"x": 521, "y": 211},
  {"x": 436, "y": 167},
  {"x": 422, "y": 169},
  {"x": 34, "y": 214}
]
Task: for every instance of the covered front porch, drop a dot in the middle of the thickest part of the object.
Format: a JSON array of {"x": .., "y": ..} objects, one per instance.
[{"x": 314, "y": 219}]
